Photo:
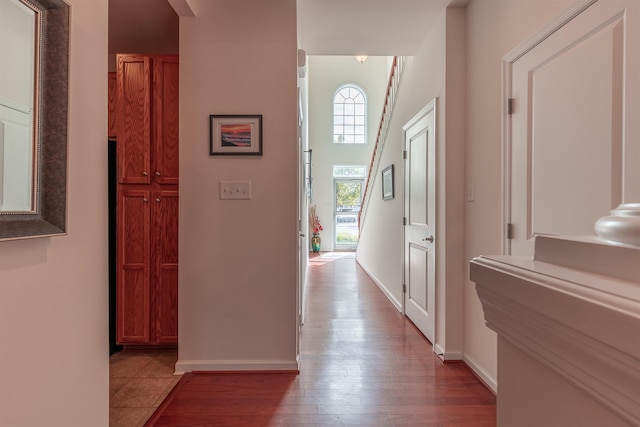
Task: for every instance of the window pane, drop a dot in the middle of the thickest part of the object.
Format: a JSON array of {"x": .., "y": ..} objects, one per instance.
[
  {"x": 349, "y": 115},
  {"x": 349, "y": 171},
  {"x": 349, "y": 109}
]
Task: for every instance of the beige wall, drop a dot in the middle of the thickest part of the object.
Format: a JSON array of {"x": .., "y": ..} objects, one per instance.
[
  {"x": 326, "y": 75},
  {"x": 433, "y": 72},
  {"x": 468, "y": 87},
  {"x": 54, "y": 350},
  {"x": 380, "y": 246},
  {"x": 494, "y": 27},
  {"x": 237, "y": 297}
]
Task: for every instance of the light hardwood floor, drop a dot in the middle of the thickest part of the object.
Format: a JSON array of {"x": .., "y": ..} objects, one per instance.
[{"x": 363, "y": 364}]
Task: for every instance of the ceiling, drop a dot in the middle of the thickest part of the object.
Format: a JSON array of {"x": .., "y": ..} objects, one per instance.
[
  {"x": 371, "y": 27},
  {"x": 325, "y": 27}
]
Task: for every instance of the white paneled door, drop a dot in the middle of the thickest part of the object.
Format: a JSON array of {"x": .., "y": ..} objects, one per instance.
[
  {"x": 419, "y": 234},
  {"x": 574, "y": 127}
]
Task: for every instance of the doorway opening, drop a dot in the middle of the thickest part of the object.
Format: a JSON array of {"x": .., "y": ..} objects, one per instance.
[{"x": 348, "y": 188}]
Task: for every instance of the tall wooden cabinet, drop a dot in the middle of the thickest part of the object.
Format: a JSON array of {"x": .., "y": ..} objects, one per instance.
[
  {"x": 147, "y": 224},
  {"x": 112, "y": 105}
]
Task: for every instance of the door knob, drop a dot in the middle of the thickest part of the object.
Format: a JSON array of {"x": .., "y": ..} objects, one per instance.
[
  {"x": 157, "y": 173},
  {"x": 428, "y": 239},
  {"x": 144, "y": 174}
]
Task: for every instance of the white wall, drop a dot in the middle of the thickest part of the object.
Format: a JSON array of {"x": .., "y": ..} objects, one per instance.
[
  {"x": 54, "y": 368},
  {"x": 494, "y": 27},
  {"x": 326, "y": 75},
  {"x": 468, "y": 87},
  {"x": 237, "y": 280},
  {"x": 434, "y": 70}
]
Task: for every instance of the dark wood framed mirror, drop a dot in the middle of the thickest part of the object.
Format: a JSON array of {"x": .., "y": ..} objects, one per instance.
[{"x": 33, "y": 118}]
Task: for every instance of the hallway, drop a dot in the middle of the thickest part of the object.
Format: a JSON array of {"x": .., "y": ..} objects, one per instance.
[{"x": 362, "y": 364}]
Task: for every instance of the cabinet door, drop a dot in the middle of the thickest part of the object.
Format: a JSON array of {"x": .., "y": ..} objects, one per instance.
[
  {"x": 134, "y": 119},
  {"x": 165, "y": 106},
  {"x": 166, "y": 266},
  {"x": 112, "y": 91},
  {"x": 133, "y": 303}
]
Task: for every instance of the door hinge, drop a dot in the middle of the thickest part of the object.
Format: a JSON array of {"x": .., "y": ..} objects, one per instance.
[
  {"x": 404, "y": 288},
  {"x": 509, "y": 231},
  {"x": 404, "y": 220},
  {"x": 511, "y": 105},
  {"x": 404, "y": 155}
]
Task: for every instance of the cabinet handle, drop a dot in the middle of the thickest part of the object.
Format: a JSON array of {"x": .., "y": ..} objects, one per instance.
[
  {"x": 158, "y": 200},
  {"x": 144, "y": 199},
  {"x": 157, "y": 173},
  {"x": 144, "y": 174}
]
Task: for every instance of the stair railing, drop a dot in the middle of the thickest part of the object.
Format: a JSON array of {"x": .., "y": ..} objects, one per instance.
[{"x": 393, "y": 85}]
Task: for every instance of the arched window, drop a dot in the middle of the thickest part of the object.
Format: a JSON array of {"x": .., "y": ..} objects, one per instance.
[{"x": 349, "y": 116}]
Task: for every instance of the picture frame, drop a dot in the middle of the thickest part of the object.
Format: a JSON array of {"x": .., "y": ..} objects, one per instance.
[
  {"x": 387, "y": 183},
  {"x": 235, "y": 135}
]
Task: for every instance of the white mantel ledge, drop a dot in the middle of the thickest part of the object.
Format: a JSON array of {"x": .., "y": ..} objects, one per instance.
[{"x": 584, "y": 326}]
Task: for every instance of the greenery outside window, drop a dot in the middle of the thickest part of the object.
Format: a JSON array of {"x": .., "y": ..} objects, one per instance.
[{"x": 349, "y": 184}]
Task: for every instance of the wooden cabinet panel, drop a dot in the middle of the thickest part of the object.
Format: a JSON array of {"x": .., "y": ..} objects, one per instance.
[
  {"x": 165, "y": 101},
  {"x": 134, "y": 119},
  {"x": 133, "y": 305},
  {"x": 166, "y": 265},
  {"x": 111, "y": 108}
]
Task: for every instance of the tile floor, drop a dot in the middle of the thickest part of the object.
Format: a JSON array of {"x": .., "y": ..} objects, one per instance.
[{"x": 138, "y": 382}]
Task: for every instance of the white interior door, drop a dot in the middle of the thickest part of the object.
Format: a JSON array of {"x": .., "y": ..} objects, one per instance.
[
  {"x": 574, "y": 132},
  {"x": 419, "y": 237}
]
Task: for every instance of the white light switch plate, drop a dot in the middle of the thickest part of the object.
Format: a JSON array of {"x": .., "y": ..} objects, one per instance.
[{"x": 235, "y": 190}]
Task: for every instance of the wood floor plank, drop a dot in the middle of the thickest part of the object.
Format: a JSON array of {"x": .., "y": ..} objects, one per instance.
[{"x": 362, "y": 364}]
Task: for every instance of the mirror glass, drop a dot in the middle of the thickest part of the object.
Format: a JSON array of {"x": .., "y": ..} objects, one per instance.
[
  {"x": 34, "y": 101},
  {"x": 17, "y": 98}
]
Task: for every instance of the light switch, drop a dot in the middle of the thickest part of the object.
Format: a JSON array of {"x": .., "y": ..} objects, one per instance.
[
  {"x": 235, "y": 190},
  {"x": 471, "y": 193}
]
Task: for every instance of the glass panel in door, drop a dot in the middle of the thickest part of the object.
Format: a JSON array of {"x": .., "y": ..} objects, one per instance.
[{"x": 348, "y": 196}]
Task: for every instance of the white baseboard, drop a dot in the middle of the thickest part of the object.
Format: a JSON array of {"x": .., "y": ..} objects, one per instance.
[
  {"x": 447, "y": 356},
  {"x": 384, "y": 290},
  {"x": 481, "y": 374},
  {"x": 183, "y": 366}
]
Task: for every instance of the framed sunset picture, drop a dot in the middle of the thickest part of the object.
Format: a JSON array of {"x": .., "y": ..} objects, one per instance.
[{"x": 235, "y": 135}]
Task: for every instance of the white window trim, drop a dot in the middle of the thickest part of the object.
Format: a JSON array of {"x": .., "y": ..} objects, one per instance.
[{"x": 366, "y": 113}]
